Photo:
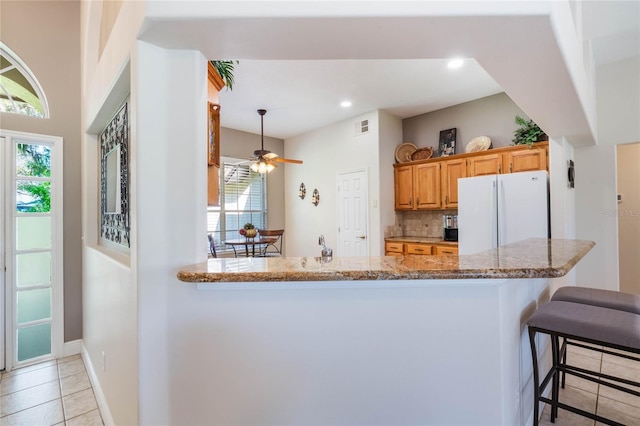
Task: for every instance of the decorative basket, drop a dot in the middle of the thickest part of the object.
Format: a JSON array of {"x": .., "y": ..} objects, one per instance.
[{"x": 422, "y": 154}]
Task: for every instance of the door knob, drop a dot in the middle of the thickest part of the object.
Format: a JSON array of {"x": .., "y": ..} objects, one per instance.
[{"x": 362, "y": 237}]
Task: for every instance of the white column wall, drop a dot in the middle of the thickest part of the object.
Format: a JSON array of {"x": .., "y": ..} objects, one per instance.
[
  {"x": 562, "y": 200},
  {"x": 390, "y": 137},
  {"x": 109, "y": 288},
  {"x": 171, "y": 186}
]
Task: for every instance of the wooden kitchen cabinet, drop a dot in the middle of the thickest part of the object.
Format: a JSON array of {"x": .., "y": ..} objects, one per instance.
[
  {"x": 488, "y": 164},
  {"x": 417, "y": 187},
  {"x": 524, "y": 160},
  {"x": 426, "y": 186},
  {"x": 433, "y": 183},
  {"x": 444, "y": 250},
  {"x": 403, "y": 179},
  {"x": 393, "y": 249},
  {"x": 452, "y": 170},
  {"x": 424, "y": 249}
]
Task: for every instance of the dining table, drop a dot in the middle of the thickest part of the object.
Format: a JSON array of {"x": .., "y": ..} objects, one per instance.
[{"x": 249, "y": 242}]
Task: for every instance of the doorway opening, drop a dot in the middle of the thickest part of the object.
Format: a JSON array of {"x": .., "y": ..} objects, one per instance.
[{"x": 628, "y": 211}]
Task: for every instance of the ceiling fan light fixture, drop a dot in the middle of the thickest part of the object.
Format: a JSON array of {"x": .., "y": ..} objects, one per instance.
[{"x": 262, "y": 166}]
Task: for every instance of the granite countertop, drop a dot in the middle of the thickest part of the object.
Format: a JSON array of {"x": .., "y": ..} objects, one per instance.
[
  {"x": 423, "y": 240},
  {"x": 532, "y": 258}
]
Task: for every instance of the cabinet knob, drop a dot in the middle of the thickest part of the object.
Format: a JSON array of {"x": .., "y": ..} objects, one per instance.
[{"x": 362, "y": 237}]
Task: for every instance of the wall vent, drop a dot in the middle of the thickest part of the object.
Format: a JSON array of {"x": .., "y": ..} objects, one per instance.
[{"x": 361, "y": 127}]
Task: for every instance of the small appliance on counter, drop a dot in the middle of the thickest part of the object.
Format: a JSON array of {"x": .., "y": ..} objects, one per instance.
[{"x": 450, "y": 227}]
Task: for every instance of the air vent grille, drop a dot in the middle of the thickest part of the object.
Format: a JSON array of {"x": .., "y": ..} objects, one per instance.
[{"x": 361, "y": 127}]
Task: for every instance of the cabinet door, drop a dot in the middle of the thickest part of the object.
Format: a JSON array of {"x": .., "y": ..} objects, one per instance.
[
  {"x": 426, "y": 185},
  {"x": 443, "y": 250},
  {"x": 418, "y": 249},
  {"x": 525, "y": 160},
  {"x": 490, "y": 164},
  {"x": 451, "y": 171},
  {"x": 403, "y": 178},
  {"x": 393, "y": 249}
]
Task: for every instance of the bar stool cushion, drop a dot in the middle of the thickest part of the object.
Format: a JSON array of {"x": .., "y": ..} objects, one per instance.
[
  {"x": 596, "y": 297},
  {"x": 592, "y": 323}
]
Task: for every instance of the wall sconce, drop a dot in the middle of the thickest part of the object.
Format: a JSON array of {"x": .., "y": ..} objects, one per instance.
[
  {"x": 315, "y": 198},
  {"x": 302, "y": 192}
]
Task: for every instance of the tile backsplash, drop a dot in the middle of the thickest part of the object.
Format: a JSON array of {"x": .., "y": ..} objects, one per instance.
[{"x": 424, "y": 223}]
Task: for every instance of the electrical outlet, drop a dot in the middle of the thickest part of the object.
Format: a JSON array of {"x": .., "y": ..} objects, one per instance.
[{"x": 104, "y": 362}]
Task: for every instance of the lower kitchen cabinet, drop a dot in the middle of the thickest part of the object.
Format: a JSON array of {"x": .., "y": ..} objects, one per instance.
[
  {"x": 418, "y": 249},
  {"x": 393, "y": 249},
  {"x": 443, "y": 250},
  {"x": 401, "y": 248}
]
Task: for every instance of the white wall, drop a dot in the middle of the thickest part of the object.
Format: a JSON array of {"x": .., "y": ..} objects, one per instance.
[
  {"x": 562, "y": 200},
  {"x": 390, "y": 138},
  {"x": 618, "y": 86},
  {"x": 57, "y": 22},
  {"x": 492, "y": 116},
  {"x": 109, "y": 290},
  {"x": 327, "y": 152}
]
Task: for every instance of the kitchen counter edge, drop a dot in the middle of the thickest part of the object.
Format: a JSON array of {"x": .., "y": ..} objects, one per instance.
[{"x": 532, "y": 258}]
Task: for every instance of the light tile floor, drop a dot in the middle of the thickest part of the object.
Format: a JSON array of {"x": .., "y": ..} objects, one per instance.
[
  {"x": 595, "y": 398},
  {"x": 56, "y": 392}
]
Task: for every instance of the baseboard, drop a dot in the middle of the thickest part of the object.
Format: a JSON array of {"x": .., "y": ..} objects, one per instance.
[
  {"x": 107, "y": 418},
  {"x": 73, "y": 347}
]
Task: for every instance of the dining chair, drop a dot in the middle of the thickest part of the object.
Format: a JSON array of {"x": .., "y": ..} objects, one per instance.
[
  {"x": 212, "y": 246},
  {"x": 274, "y": 247}
]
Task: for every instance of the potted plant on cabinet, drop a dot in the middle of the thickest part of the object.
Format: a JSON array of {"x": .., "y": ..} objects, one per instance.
[{"x": 528, "y": 132}]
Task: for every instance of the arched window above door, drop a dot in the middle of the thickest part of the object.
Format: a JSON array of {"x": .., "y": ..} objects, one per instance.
[{"x": 20, "y": 92}]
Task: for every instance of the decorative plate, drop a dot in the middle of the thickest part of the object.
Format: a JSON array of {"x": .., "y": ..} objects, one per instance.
[
  {"x": 404, "y": 151},
  {"x": 422, "y": 154},
  {"x": 481, "y": 143}
]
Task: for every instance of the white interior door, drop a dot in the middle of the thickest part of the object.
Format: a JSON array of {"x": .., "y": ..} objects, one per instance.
[{"x": 353, "y": 214}]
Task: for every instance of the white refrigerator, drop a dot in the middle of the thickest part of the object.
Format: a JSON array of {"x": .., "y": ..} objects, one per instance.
[{"x": 495, "y": 210}]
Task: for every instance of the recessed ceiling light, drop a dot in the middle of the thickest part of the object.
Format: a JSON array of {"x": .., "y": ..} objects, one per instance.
[
  {"x": 455, "y": 63},
  {"x": 345, "y": 104}
]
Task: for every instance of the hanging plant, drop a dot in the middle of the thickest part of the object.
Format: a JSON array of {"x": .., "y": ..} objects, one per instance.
[
  {"x": 225, "y": 69},
  {"x": 528, "y": 132}
]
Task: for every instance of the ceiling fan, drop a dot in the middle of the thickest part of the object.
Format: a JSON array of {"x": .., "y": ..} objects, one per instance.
[{"x": 266, "y": 159}]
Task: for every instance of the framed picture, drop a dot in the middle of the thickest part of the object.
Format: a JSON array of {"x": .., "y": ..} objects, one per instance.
[
  {"x": 214, "y": 135},
  {"x": 447, "y": 142}
]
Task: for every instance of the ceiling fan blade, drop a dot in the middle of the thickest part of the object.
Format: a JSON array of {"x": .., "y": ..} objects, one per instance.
[
  {"x": 287, "y": 160},
  {"x": 269, "y": 155}
]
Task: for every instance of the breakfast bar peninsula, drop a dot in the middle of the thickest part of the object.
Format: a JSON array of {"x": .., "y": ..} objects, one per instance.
[{"x": 436, "y": 340}]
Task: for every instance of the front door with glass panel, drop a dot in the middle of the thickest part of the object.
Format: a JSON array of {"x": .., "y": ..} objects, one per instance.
[{"x": 33, "y": 248}]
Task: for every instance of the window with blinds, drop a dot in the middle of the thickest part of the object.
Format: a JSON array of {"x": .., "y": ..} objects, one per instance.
[{"x": 243, "y": 195}]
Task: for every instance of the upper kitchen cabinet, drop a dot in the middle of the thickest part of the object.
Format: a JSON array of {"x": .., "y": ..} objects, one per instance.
[
  {"x": 433, "y": 183},
  {"x": 417, "y": 187},
  {"x": 426, "y": 186},
  {"x": 487, "y": 164},
  {"x": 451, "y": 171},
  {"x": 525, "y": 160},
  {"x": 403, "y": 180}
]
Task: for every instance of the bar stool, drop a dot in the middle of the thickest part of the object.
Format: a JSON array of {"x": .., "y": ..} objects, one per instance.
[
  {"x": 609, "y": 328},
  {"x": 595, "y": 297}
]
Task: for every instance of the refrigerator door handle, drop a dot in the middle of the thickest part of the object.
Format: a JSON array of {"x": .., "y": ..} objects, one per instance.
[
  {"x": 495, "y": 215},
  {"x": 502, "y": 214}
]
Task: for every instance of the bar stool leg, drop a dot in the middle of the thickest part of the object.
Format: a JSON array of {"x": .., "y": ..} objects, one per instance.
[
  {"x": 536, "y": 376},
  {"x": 555, "y": 388}
]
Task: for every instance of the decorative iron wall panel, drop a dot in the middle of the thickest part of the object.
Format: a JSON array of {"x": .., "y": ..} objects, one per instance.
[{"x": 115, "y": 225}]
